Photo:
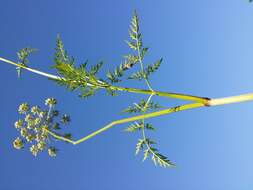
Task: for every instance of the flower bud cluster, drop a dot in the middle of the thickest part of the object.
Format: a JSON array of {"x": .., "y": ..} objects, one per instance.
[{"x": 34, "y": 127}]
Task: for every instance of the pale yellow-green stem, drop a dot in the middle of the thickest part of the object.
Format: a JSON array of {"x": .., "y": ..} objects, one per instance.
[
  {"x": 118, "y": 88},
  {"x": 212, "y": 102},
  {"x": 130, "y": 119},
  {"x": 230, "y": 99}
]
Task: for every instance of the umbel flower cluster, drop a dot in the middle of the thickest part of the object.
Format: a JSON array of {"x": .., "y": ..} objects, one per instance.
[{"x": 35, "y": 126}]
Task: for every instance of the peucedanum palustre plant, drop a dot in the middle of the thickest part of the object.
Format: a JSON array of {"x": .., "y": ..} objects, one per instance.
[{"x": 40, "y": 128}]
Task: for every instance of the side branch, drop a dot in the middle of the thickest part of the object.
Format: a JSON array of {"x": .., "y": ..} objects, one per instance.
[
  {"x": 126, "y": 120},
  {"x": 118, "y": 88},
  {"x": 212, "y": 102}
]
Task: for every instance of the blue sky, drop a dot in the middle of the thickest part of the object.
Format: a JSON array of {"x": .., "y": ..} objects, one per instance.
[{"x": 207, "y": 50}]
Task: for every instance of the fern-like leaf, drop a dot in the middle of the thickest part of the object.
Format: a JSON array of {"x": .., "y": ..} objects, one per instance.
[
  {"x": 73, "y": 77},
  {"x": 139, "y": 107},
  {"x": 139, "y": 75},
  {"x": 139, "y": 146},
  {"x": 134, "y": 127},
  {"x": 152, "y": 68},
  {"x": 160, "y": 159},
  {"x": 61, "y": 54},
  {"x": 157, "y": 158},
  {"x": 95, "y": 69},
  {"x": 23, "y": 55}
]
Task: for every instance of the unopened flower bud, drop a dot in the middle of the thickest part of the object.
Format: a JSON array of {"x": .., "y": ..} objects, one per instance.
[
  {"x": 18, "y": 143},
  {"x": 18, "y": 124},
  {"x": 52, "y": 151}
]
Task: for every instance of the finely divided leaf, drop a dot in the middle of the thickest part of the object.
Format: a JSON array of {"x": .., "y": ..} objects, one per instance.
[
  {"x": 139, "y": 146},
  {"x": 23, "y": 55},
  {"x": 152, "y": 68},
  {"x": 139, "y": 107}
]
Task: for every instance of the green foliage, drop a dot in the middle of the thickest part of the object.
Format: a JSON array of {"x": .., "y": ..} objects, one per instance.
[
  {"x": 143, "y": 104},
  {"x": 23, "y": 55},
  {"x": 136, "y": 38},
  {"x": 61, "y": 55},
  {"x": 152, "y": 68},
  {"x": 34, "y": 125},
  {"x": 139, "y": 146},
  {"x": 159, "y": 159},
  {"x": 95, "y": 68},
  {"x": 139, "y": 75},
  {"x": 135, "y": 43},
  {"x": 146, "y": 145},
  {"x": 73, "y": 77},
  {"x": 115, "y": 76},
  {"x": 119, "y": 71},
  {"x": 134, "y": 127}
]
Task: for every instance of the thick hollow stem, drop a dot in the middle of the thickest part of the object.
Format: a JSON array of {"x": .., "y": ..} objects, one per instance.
[
  {"x": 230, "y": 100},
  {"x": 132, "y": 90}
]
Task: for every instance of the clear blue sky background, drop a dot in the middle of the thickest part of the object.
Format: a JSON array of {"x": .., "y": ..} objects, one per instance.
[{"x": 207, "y": 50}]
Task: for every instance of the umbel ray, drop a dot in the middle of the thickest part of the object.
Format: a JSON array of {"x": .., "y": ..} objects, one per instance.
[{"x": 40, "y": 127}]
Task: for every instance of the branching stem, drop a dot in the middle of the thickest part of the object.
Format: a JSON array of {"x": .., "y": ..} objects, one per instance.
[
  {"x": 200, "y": 102},
  {"x": 212, "y": 102}
]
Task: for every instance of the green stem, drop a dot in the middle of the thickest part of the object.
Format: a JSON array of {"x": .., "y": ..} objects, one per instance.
[
  {"x": 141, "y": 63},
  {"x": 118, "y": 88},
  {"x": 212, "y": 102},
  {"x": 203, "y": 100},
  {"x": 130, "y": 119}
]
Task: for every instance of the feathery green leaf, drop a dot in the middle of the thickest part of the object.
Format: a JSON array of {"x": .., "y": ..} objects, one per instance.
[
  {"x": 139, "y": 107},
  {"x": 152, "y": 68},
  {"x": 23, "y": 55},
  {"x": 139, "y": 146}
]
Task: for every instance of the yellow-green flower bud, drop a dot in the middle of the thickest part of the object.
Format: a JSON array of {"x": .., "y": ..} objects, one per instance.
[
  {"x": 65, "y": 119},
  {"x": 18, "y": 124},
  {"x": 35, "y": 110},
  {"x": 18, "y": 143},
  {"x": 50, "y": 102},
  {"x": 41, "y": 145},
  {"x": 23, "y": 132},
  {"x": 37, "y": 121},
  {"x": 55, "y": 113},
  {"x": 42, "y": 114},
  {"x": 52, "y": 151},
  {"x": 38, "y": 138},
  {"x": 23, "y": 108},
  {"x": 28, "y": 118},
  {"x": 30, "y": 138},
  {"x": 34, "y": 150},
  {"x": 30, "y": 125}
]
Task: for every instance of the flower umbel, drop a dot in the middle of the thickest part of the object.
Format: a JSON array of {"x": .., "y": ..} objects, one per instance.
[{"x": 34, "y": 127}]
